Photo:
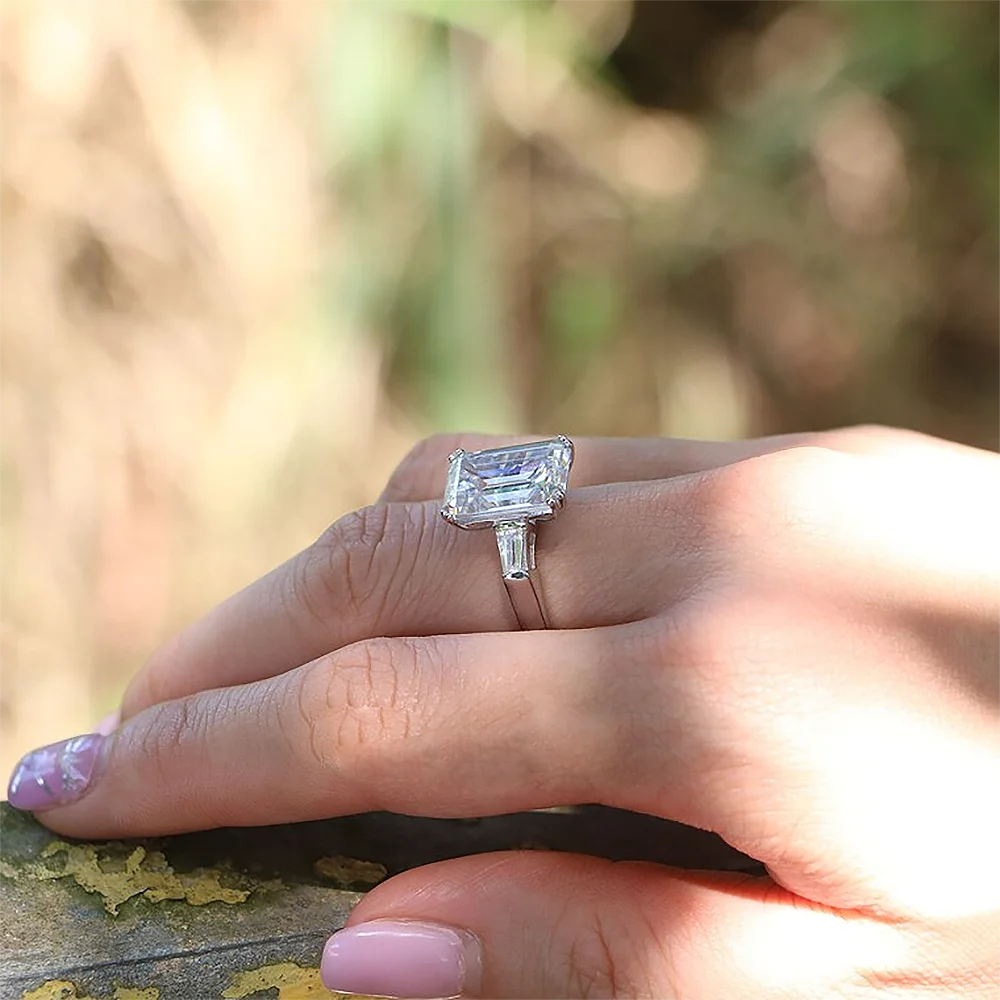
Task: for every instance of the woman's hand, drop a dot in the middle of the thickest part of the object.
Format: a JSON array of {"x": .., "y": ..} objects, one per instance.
[{"x": 792, "y": 642}]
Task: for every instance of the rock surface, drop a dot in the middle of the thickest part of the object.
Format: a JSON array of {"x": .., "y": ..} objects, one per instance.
[{"x": 245, "y": 912}]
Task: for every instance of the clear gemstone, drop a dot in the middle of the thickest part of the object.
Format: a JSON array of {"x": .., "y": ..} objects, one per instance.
[{"x": 519, "y": 483}]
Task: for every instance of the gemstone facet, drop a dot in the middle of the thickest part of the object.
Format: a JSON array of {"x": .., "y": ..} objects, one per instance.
[{"x": 525, "y": 482}]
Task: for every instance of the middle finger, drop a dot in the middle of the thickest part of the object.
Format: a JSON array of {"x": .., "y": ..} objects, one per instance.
[{"x": 460, "y": 725}]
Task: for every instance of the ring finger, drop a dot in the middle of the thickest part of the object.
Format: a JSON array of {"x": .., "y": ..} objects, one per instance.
[{"x": 398, "y": 569}]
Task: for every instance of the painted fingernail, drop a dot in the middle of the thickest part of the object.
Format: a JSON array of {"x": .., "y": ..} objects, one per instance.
[
  {"x": 401, "y": 958},
  {"x": 54, "y": 775},
  {"x": 109, "y": 723}
]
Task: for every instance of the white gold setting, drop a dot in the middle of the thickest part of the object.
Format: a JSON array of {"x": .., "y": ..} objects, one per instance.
[{"x": 509, "y": 490}]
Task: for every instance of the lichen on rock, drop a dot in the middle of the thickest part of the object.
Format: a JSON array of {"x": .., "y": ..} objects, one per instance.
[
  {"x": 349, "y": 871},
  {"x": 145, "y": 873}
]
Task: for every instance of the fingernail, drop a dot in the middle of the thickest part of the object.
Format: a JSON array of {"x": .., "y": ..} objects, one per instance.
[
  {"x": 109, "y": 723},
  {"x": 401, "y": 958},
  {"x": 54, "y": 775}
]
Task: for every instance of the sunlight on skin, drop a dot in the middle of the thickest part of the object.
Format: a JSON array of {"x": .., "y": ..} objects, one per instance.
[
  {"x": 864, "y": 512},
  {"x": 874, "y": 790},
  {"x": 796, "y": 949}
]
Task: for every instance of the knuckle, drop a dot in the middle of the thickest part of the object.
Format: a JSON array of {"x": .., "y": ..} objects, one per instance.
[
  {"x": 351, "y": 550},
  {"x": 874, "y": 439},
  {"x": 871, "y": 437},
  {"x": 355, "y": 565},
  {"x": 800, "y": 486},
  {"x": 367, "y": 699},
  {"x": 418, "y": 474},
  {"x": 175, "y": 725},
  {"x": 724, "y": 643},
  {"x": 691, "y": 638},
  {"x": 728, "y": 639},
  {"x": 742, "y": 654},
  {"x": 712, "y": 644},
  {"x": 867, "y": 432},
  {"x": 169, "y": 731},
  {"x": 791, "y": 491}
]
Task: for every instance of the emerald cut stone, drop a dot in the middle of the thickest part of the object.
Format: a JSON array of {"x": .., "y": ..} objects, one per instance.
[{"x": 525, "y": 482}]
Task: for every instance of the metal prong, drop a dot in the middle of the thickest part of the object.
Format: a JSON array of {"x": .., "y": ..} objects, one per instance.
[{"x": 455, "y": 454}]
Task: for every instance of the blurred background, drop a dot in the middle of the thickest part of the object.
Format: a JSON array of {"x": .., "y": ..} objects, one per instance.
[{"x": 252, "y": 250}]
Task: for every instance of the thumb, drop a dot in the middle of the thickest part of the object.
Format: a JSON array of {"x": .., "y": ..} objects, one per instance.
[{"x": 537, "y": 924}]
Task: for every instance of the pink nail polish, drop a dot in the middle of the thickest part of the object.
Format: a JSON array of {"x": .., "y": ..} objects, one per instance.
[
  {"x": 54, "y": 775},
  {"x": 401, "y": 958}
]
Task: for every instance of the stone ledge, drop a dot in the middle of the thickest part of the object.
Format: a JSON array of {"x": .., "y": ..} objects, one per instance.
[{"x": 244, "y": 912}]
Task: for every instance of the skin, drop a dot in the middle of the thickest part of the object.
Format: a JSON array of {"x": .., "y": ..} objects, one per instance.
[{"x": 791, "y": 641}]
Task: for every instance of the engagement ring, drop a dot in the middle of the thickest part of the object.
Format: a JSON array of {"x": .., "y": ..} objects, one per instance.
[{"x": 510, "y": 490}]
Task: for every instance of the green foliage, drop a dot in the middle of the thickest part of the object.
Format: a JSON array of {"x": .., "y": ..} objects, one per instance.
[{"x": 476, "y": 250}]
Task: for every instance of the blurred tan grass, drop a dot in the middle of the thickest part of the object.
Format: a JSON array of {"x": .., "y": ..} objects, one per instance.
[
  {"x": 183, "y": 404},
  {"x": 177, "y": 417}
]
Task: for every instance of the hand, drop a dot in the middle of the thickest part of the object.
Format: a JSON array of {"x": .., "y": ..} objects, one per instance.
[{"x": 792, "y": 642}]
